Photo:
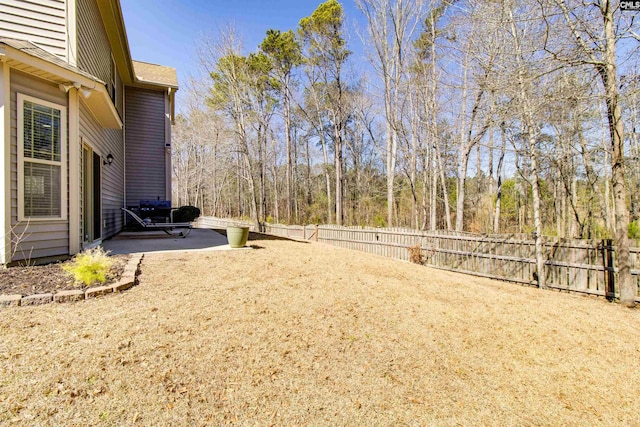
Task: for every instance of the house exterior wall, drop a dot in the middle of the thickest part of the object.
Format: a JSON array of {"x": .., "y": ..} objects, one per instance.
[
  {"x": 94, "y": 50},
  {"x": 41, "y": 238},
  {"x": 104, "y": 142},
  {"x": 74, "y": 30},
  {"x": 145, "y": 145},
  {"x": 42, "y": 22}
]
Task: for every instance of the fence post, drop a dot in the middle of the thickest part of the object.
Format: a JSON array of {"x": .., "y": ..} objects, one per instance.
[
  {"x": 609, "y": 265},
  {"x": 316, "y": 232}
]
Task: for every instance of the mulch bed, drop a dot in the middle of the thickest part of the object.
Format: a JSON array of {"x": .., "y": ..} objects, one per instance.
[{"x": 49, "y": 278}]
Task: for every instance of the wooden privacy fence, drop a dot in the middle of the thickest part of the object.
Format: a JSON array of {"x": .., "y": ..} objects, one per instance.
[{"x": 571, "y": 265}]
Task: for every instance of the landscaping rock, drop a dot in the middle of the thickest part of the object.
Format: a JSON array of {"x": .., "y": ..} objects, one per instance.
[
  {"x": 123, "y": 284},
  {"x": 127, "y": 281},
  {"x": 69, "y": 296},
  {"x": 97, "y": 291},
  {"x": 130, "y": 270},
  {"x": 37, "y": 299},
  {"x": 10, "y": 300}
]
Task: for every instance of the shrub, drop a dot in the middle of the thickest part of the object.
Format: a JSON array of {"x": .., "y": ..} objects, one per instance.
[
  {"x": 379, "y": 221},
  {"x": 416, "y": 255},
  {"x": 90, "y": 266},
  {"x": 634, "y": 229},
  {"x": 186, "y": 214}
]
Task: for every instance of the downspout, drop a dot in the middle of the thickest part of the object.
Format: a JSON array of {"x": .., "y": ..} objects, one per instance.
[
  {"x": 167, "y": 143},
  {"x": 172, "y": 102},
  {"x": 124, "y": 153}
]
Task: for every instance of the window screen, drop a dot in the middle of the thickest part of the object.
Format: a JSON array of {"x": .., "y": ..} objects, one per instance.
[
  {"x": 41, "y": 190},
  {"x": 42, "y": 160}
]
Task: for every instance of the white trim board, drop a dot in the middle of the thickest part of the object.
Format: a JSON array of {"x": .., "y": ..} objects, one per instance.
[
  {"x": 63, "y": 157},
  {"x": 5, "y": 164}
]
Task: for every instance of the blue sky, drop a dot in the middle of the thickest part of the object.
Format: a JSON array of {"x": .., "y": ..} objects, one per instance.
[{"x": 166, "y": 31}]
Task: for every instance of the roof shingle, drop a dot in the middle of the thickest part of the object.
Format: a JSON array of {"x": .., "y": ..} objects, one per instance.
[{"x": 155, "y": 74}]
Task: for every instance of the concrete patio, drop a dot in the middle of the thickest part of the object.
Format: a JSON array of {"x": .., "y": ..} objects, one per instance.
[{"x": 157, "y": 241}]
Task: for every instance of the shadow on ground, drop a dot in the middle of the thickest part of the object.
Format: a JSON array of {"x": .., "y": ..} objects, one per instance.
[
  {"x": 260, "y": 236},
  {"x": 158, "y": 241}
]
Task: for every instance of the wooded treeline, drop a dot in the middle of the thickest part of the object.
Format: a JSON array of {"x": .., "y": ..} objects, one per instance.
[{"x": 490, "y": 116}]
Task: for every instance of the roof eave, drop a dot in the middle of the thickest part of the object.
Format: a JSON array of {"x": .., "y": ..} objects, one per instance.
[
  {"x": 153, "y": 85},
  {"x": 93, "y": 90},
  {"x": 171, "y": 92},
  {"x": 99, "y": 102}
]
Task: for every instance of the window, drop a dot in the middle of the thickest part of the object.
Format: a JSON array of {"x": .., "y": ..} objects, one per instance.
[
  {"x": 111, "y": 85},
  {"x": 42, "y": 129}
]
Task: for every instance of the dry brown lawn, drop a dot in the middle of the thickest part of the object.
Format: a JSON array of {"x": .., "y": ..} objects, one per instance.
[{"x": 306, "y": 334}]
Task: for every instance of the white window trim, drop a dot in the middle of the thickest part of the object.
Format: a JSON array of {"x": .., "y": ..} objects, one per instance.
[
  {"x": 93, "y": 150},
  {"x": 112, "y": 80},
  {"x": 62, "y": 163}
]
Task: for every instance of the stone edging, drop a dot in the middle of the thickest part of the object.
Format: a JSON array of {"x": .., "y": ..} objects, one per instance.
[{"x": 128, "y": 279}]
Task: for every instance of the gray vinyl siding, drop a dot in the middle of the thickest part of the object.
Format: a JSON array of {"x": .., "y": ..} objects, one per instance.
[
  {"x": 105, "y": 141},
  {"x": 94, "y": 52},
  {"x": 41, "y": 238},
  {"x": 145, "y": 151},
  {"x": 42, "y": 22}
]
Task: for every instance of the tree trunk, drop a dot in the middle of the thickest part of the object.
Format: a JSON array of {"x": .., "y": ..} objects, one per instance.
[
  {"x": 339, "y": 190},
  {"x": 607, "y": 195},
  {"x": 391, "y": 166},
  {"x": 274, "y": 172},
  {"x": 287, "y": 133},
  {"x": 434, "y": 191},
  {"x": 528, "y": 120},
  {"x": 608, "y": 75},
  {"x": 463, "y": 163},
  {"x": 445, "y": 191},
  {"x": 496, "y": 218},
  {"x": 537, "y": 219}
]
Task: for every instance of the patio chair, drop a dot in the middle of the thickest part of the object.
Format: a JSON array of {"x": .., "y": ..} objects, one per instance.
[{"x": 167, "y": 227}]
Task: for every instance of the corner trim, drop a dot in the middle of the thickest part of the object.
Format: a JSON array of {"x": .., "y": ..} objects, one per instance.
[
  {"x": 74, "y": 173},
  {"x": 72, "y": 32},
  {"x": 5, "y": 164}
]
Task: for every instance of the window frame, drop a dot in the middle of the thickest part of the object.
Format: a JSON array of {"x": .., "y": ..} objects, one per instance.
[
  {"x": 21, "y": 98},
  {"x": 111, "y": 84}
]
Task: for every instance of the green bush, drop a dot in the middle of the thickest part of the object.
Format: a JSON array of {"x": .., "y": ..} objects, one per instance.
[
  {"x": 379, "y": 221},
  {"x": 90, "y": 266},
  {"x": 634, "y": 230},
  {"x": 186, "y": 214}
]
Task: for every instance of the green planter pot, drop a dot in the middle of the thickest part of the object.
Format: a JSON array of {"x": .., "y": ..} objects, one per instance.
[{"x": 237, "y": 236}]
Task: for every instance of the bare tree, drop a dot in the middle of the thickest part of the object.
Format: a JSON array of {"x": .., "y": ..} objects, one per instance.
[
  {"x": 391, "y": 25},
  {"x": 427, "y": 84},
  {"x": 479, "y": 55},
  {"x": 525, "y": 81},
  {"x": 595, "y": 32}
]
